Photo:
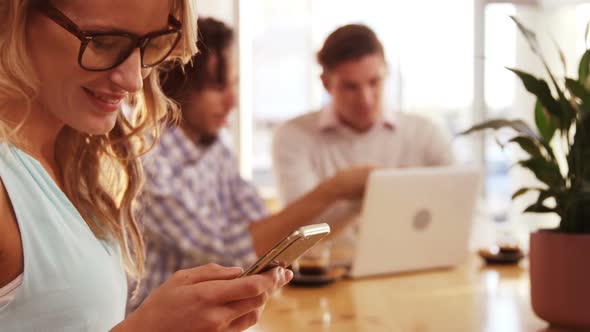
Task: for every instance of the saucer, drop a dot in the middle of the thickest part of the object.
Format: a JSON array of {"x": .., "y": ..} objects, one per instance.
[
  {"x": 327, "y": 276},
  {"x": 502, "y": 254}
]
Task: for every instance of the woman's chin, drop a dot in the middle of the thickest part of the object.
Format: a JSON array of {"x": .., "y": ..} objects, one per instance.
[{"x": 102, "y": 127}]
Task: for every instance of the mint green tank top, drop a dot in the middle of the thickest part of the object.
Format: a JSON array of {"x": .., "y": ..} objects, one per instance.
[{"x": 72, "y": 281}]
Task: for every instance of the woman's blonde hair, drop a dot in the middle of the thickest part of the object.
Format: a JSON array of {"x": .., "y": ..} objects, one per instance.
[{"x": 104, "y": 174}]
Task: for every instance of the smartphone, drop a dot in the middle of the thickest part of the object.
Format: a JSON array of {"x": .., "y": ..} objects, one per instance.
[{"x": 290, "y": 248}]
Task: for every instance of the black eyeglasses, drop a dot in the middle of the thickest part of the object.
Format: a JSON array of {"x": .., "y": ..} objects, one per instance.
[{"x": 101, "y": 50}]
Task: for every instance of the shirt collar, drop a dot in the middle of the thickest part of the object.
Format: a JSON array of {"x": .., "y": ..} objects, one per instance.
[
  {"x": 177, "y": 143},
  {"x": 328, "y": 120}
]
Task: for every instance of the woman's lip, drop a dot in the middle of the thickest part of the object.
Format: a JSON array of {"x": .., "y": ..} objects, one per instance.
[
  {"x": 109, "y": 96},
  {"x": 107, "y": 103}
]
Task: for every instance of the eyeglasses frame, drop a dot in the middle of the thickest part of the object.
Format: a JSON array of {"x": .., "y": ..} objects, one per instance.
[{"x": 86, "y": 36}]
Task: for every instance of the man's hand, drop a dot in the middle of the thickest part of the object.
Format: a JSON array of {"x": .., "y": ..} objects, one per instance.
[{"x": 349, "y": 183}]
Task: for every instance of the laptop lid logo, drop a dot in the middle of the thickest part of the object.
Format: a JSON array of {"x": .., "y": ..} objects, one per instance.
[{"x": 422, "y": 219}]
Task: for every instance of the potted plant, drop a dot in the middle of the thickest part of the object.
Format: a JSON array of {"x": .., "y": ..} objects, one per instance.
[{"x": 558, "y": 154}]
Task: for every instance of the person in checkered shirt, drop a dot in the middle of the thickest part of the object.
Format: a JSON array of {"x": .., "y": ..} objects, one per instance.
[{"x": 196, "y": 208}]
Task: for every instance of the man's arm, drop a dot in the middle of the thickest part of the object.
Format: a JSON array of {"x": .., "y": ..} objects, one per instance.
[
  {"x": 308, "y": 200},
  {"x": 345, "y": 185}
]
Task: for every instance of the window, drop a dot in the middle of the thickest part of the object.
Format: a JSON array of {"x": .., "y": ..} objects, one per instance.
[{"x": 430, "y": 58}]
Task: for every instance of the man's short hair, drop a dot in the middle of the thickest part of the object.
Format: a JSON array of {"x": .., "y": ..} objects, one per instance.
[
  {"x": 214, "y": 38},
  {"x": 349, "y": 42}
]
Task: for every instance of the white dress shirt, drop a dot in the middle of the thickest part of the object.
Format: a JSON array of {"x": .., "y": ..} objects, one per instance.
[{"x": 313, "y": 147}]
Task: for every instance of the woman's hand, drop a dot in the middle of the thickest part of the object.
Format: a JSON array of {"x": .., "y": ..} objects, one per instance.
[{"x": 206, "y": 298}]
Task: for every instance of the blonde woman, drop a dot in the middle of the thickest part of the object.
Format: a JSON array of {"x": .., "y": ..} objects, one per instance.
[{"x": 69, "y": 171}]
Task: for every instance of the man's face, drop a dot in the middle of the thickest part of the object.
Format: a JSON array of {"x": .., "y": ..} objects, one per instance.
[
  {"x": 208, "y": 109},
  {"x": 356, "y": 87}
]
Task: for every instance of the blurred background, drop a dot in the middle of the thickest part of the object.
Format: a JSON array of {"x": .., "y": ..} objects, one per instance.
[{"x": 446, "y": 60}]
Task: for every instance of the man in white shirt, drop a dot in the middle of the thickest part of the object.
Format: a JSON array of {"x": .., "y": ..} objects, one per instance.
[{"x": 353, "y": 129}]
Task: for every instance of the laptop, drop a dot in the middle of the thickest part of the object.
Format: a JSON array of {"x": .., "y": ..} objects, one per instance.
[{"x": 415, "y": 219}]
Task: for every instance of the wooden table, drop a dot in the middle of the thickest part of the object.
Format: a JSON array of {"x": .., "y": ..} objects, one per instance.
[{"x": 470, "y": 298}]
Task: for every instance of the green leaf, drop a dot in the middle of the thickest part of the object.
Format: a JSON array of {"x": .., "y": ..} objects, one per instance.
[
  {"x": 518, "y": 125},
  {"x": 546, "y": 171},
  {"x": 539, "y": 206},
  {"x": 561, "y": 56},
  {"x": 584, "y": 67},
  {"x": 543, "y": 195},
  {"x": 546, "y": 123},
  {"x": 523, "y": 191},
  {"x": 579, "y": 152},
  {"x": 529, "y": 145},
  {"x": 534, "y": 208},
  {"x": 568, "y": 114},
  {"x": 579, "y": 91},
  {"x": 577, "y": 215},
  {"x": 529, "y": 35},
  {"x": 540, "y": 88},
  {"x": 531, "y": 39},
  {"x": 582, "y": 198},
  {"x": 500, "y": 144}
]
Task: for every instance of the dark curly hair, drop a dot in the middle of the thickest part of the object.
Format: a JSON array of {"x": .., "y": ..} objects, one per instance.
[{"x": 214, "y": 38}]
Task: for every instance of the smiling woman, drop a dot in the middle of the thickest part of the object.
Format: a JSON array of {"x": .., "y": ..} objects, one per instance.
[
  {"x": 69, "y": 170},
  {"x": 61, "y": 102}
]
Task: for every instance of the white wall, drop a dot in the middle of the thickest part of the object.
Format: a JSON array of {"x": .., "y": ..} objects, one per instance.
[{"x": 220, "y": 9}]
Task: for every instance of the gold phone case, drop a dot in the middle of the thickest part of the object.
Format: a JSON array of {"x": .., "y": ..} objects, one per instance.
[{"x": 290, "y": 248}]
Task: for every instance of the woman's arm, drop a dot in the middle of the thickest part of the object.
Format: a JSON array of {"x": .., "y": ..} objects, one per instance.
[
  {"x": 206, "y": 298},
  {"x": 11, "y": 250}
]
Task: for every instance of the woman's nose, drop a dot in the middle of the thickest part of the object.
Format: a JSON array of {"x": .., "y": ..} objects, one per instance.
[{"x": 128, "y": 75}]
